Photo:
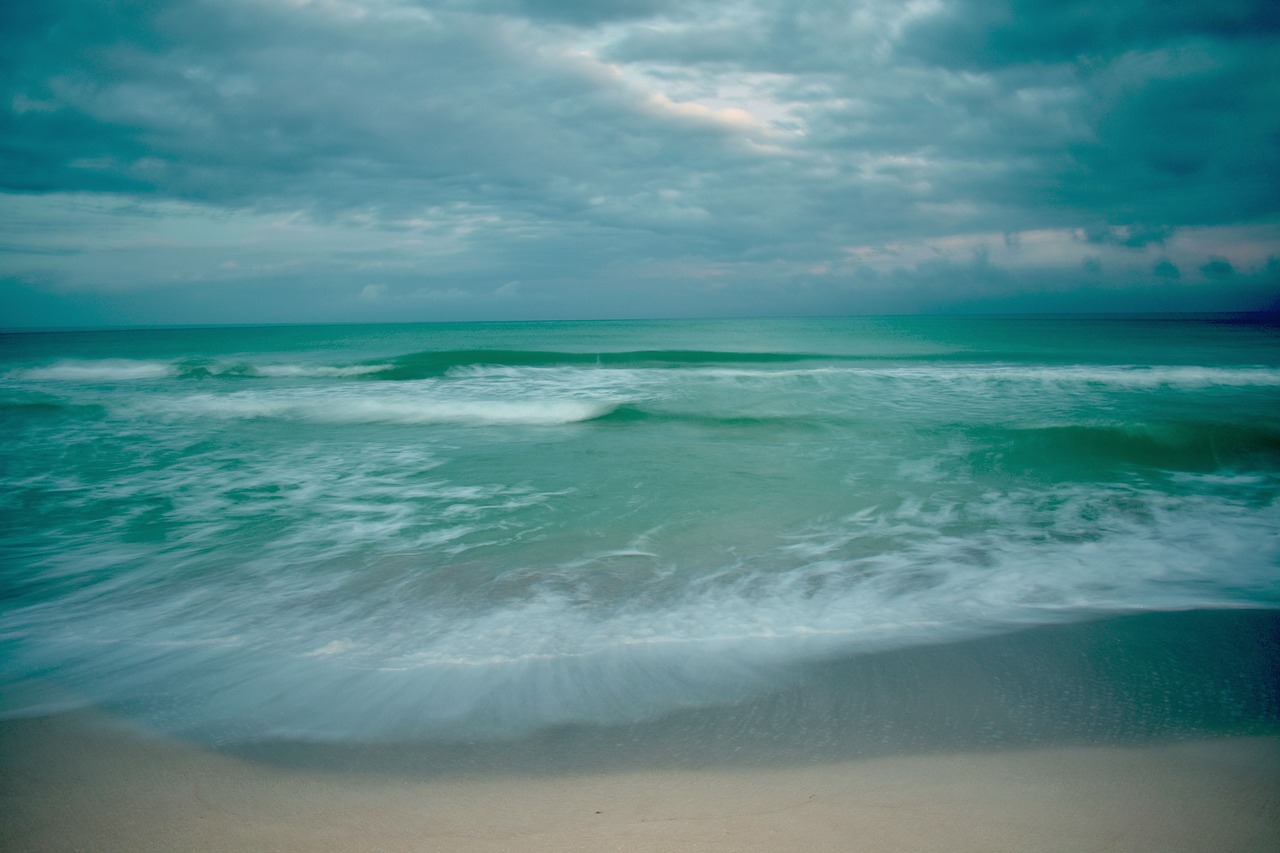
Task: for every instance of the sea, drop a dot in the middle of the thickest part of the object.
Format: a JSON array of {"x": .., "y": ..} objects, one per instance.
[{"x": 483, "y": 532}]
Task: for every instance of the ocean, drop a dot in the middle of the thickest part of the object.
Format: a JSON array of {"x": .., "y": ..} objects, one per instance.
[{"x": 476, "y": 533}]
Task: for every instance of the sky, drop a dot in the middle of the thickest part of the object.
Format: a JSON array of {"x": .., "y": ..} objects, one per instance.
[{"x": 262, "y": 161}]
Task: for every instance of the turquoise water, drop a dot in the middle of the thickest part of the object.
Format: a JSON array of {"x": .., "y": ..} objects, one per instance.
[{"x": 479, "y": 530}]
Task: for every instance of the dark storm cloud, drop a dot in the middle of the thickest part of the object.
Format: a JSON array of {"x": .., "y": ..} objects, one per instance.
[
  {"x": 985, "y": 34},
  {"x": 517, "y": 157},
  {"x": 206, "y": 101},
  {"x": 1151, "y": 115},
  {"x": 462, "y": 114},
  {"x": 1172, "y": 97},
  {"x": 199, "y": 104}
]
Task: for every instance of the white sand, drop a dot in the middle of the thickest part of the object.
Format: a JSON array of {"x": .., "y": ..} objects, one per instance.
[{"x": 81, "y": 783}]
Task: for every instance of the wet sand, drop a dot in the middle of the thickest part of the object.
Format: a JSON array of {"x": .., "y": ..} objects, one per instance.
[{"x": 84, "y": 782}]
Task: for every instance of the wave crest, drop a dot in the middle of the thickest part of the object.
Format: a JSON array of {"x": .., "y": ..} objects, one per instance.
[
  {"x": 103, "y": 370},
  {"x": 360, "y": 410}
]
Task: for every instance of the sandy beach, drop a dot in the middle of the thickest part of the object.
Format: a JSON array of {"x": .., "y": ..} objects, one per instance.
[
  {"x": 85, "y": 782},
  {"x": 1154, "y": 732}
]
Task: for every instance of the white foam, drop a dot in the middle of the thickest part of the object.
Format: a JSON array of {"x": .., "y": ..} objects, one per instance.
[
  {"x": 1130, "y": 376},
  {"x": 390, "y": 409},
  {"x": 1039, "y": 558},
  {"x": 318, "y": 371},
  {"x": 104, "y": 370},
  {"x": 315, "y": 656},
  {"x": 578, "y": 382}
]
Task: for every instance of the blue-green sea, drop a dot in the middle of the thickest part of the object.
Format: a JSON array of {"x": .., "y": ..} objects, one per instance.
[{"x": 390, "y": 532}]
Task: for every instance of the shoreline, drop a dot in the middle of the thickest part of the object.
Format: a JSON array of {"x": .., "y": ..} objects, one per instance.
[
  {"x": 1156, "y": 731},
  {"x": 85, "y": 782}
]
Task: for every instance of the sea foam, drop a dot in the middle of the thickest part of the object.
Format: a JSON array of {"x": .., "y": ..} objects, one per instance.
[
  {"x": 567, "y": 651},
  {"x": 319, "y": 371},
  {"x": 337, "y": 409},
  {"x": 103, "y": 370}
]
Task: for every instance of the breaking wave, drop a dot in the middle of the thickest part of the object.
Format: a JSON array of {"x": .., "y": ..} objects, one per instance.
[{"x": 336, "y": 409}]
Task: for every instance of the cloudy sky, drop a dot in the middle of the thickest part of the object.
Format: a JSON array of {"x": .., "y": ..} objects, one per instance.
[{"x": 206, "y": 161}]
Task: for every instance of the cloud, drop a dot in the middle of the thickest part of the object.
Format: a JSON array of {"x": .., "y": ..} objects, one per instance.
[
  {"x": 612, "y": 156},
  {"x": 1133, "y": 236},
  {"x": 1166, "y": 269},
  {"x": 576, "y": 12},
  {"x": 995, "y": 33},
  {"x": 1218, "y": 269}
]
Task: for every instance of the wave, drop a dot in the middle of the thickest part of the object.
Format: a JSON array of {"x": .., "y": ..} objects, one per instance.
[
  {"x": 320, "y": 371},
  {"x": 104, "y": 370},
  {"x": 481, "y": 364},
  {"x": 1127, "y": 376},
  {"x": 426, "y": 365},
  {"x": 128, "y": 370},
  {"x": 478, "y": 364},
  {"x": 1170, "y": 445},
  {"x": 635, "y": 414},
  {"x": 302, "y": 659},
  {"x": 243, "y": 370},
  {"x": 333, "y": 409}
]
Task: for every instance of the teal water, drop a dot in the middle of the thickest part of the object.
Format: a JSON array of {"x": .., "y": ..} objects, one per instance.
[{"x": 481, "y": 530}]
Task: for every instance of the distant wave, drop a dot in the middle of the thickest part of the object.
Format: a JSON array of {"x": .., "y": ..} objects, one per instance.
[
  {"x": 1134, "y": 376},
  {"x": 239, "y": 370},
  {"x": 484, "y": 363},
  {"x": 424, "y": 365},
  {"x": 320, "y": 371},
  {"x": 126, "y": 370},
  {"x": 1124, "y": 376},
  {"x": 105, "y": 370},
  {"x": 750, "y": 364},
  {"x": 356, "y": 410},
  {"x": 1172, "y": 445},
  {"x": 631, "y": 413}
]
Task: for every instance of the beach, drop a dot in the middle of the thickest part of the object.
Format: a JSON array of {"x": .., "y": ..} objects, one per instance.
[
  {"x": 898, "y": 756},
  {"x": 81, "y": 784}
]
